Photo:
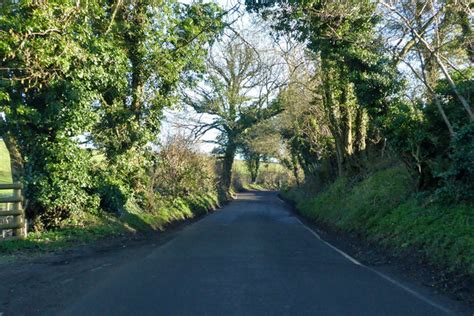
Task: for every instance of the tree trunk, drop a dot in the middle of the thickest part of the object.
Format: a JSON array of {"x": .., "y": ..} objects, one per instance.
[
  {"x": 346, "y": 119},
  {"x": 227, "y": 163},
  {"x": 451, "y": 83},
  {"x": 360, "y": 130},
  {"x": 253, "y": 165},
  {"x": 135, "y": 38},
  {"x": 256, "y": 166},
  {"x": 340, "y": 159},
  {"x": 434, "y": 52},
  {"x": 444, "y": 116},
  {"x": 329, "y": 105},
  {"x": 294, "y": 162}
]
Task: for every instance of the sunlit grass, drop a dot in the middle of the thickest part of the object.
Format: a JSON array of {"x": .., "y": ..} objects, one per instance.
[
  {"x": 5, "y": 172},
  {"x": 92, "y": 227},
  {"x": 5, "y": 169}
]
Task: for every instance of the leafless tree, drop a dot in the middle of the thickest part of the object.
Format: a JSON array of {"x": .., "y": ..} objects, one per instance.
[
  {"x": 423, "y": 33},
  {"x": 241, "y": 82}
]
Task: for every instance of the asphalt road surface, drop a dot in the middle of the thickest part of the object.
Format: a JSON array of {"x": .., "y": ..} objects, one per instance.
[{"x": 253, "y": 257}]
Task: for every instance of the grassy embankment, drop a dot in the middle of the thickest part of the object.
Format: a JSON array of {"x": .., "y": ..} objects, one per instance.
[
  {"x": 383, "y": 209},
  {"x": 98, "y": 225}
]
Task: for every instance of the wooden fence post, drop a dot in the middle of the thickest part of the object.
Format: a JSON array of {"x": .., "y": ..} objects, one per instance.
[
  {"x": 19, "y": 223},
  {"x": 19, "y": 219}
]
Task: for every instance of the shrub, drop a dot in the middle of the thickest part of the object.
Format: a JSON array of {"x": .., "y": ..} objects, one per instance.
[
  {"x": 181, "y": 171},
  {"x": 60, "y": 188},
  {"x": 458, "y": 180},
  {"x": 113, "y": 193}
]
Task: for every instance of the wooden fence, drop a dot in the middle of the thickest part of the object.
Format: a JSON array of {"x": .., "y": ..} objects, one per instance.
[{"x": 12, "y": 216}]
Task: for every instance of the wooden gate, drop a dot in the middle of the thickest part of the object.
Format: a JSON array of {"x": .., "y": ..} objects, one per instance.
[{"x": 12, "y": 216}]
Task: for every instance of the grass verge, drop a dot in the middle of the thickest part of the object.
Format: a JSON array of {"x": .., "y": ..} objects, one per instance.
[{"x": 94, "y": 227}]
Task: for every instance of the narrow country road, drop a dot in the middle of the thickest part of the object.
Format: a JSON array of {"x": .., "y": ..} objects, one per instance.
[{"x": 253, "y": 257}]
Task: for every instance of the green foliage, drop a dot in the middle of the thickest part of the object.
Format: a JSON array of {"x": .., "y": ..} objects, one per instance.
[
  {"x": 363, "y": 111},
  {"x": 342, "y": 33},
  {"x": 458, "y": 179},
  {"x": 443, "y": 234},
  {"x": 231, "y": 98},
  {"x": 99, "y": 73},
  {"x": 303, "y": 127},
  {"x": 127, "y": 213},
  {"x": 113, "y": 192},
  {"x": 59, "y": 189},
  {"x": 272, "y": 176},
  {"x": 349, "y": 41},
  {"x": 93, "y": 227},
  {"x": 258, "y": 144},
  {"x": 49, "y": 103},
  {"x": 417, "y": 132},
  {"x": 156, "y": 53}
]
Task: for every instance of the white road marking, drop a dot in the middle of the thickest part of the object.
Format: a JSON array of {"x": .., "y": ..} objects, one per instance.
[
  {"x": 64, "y": 282},
  {"x": 380, "y": 274},
  {"x": 96, "y": 269},
  {"x": 100, "y": 267},
  {"x": 412, "y": 292},
  {"x": 345, "y": 255}
]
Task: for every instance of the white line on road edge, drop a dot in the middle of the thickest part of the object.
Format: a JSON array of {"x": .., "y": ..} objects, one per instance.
[
  {"x": 345, "y": 255},
  {"x": 380, "y": 274}
]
